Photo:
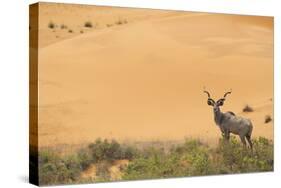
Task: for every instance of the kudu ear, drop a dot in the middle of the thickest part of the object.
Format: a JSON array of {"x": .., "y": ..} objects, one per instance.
[{"x": 210, "y": 102}]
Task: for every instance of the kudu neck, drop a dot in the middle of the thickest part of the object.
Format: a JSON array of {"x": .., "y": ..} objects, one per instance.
[{"x": 217, "y": 115}]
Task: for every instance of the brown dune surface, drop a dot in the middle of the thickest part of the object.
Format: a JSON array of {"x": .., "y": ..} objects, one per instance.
[{"x": 143, "y": 79}]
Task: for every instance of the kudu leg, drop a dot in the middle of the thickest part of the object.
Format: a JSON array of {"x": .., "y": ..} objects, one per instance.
[
  {"x": 248, "y": 137},
  {"x": 243, "y": 140},
  {"x": 227, "y": 136}
]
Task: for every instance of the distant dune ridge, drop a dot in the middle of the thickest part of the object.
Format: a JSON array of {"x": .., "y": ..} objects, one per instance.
[{"x": 138, "y": 74}]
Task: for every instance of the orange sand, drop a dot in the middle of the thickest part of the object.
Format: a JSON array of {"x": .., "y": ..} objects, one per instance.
[{"x": 143, "y": 80}]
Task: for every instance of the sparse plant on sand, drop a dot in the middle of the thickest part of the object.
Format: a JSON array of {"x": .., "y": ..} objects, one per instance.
[
  {"x": 63, "y": 26},
  {"x": 267, "y": 119},
  {"x": 88, "y": 24},
  {"x": 248, "y": 108},
  {"x": 51, "y": 25},
  {"x": 121, "y": 21},
  {"x": 70, "y": 31}
]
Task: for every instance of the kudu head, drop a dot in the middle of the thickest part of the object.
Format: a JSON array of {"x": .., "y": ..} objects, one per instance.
[{"x": 220, "y": 102}]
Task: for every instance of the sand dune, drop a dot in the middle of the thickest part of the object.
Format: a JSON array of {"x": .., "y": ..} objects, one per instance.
[{"x": 143, "y": 80}]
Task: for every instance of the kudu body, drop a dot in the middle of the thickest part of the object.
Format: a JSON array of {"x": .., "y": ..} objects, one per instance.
[{"x": 228, "y": 122}]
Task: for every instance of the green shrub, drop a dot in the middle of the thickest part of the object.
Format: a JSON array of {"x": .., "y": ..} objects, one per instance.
[
  {"x": 104, "y": 150},
  {"x": 240, "y": 159},
  {"x": 54, "y": 169},
  {"x": 188, "y": 159},
  {"x": 110, "y": 150},
  {"x": 85, "y": 158},
  {"x": 153, "y": 166},
  {"x": 194, "y": 158}
]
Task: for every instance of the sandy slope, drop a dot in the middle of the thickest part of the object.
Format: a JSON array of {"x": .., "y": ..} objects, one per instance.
[{"x": 143, "y": 80}]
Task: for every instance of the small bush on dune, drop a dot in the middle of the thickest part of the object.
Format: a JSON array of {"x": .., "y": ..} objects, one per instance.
[
  {"x": 51, "y": 25},
  {"x": 248, "y": 108},
  {"x": 73, "y": 167},
  {"x": 121, "y": 21},
  {"x": 130, "y": 152},
  {"x": 70, "y": 31},
  {"x": 88, "y": 24},
  {"x": 240, "y": 159},
  {"x": 267, "y": 119},
  {"x": 232, "y": 153},
  {"x": 62, "y": 26},
  {"x": 110, "y": 150},
  {"x": 104, "y": 150},
  {"x": 48, "y": 167},
  {"x": 197, "y": 155},
  {"x": 56, "y": 170},
  {"x": 85, "y": 158}
]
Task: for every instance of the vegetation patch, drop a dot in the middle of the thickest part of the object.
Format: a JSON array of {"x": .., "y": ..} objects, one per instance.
[{"x": 191, "y": 158}]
